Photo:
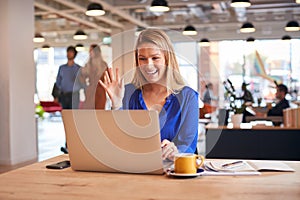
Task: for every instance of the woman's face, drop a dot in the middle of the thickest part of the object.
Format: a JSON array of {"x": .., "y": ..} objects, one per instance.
[{"x": 152, "y": 63}]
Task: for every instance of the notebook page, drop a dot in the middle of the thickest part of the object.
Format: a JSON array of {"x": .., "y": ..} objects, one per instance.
[
  {"x": 263, "y": 165},
  {"x": 231, "y": 166},
  {"x": 214, "y": 168}
]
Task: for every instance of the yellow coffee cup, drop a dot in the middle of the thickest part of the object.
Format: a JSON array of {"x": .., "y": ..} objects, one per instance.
[{"x": 187, "y": 163}]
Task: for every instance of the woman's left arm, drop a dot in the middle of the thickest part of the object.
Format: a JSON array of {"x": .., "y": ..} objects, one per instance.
[{"x": 187, "y": 135}]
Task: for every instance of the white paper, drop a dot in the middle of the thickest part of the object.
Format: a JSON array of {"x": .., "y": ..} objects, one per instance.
[{"x": 247, "y": 168}]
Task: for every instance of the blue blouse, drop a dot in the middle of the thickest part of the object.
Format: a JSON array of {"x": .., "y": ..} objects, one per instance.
[{"x": 178, "y": 117}]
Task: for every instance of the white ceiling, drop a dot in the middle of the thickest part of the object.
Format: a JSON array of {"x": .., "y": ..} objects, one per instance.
[{"x": 58, "y": 20}]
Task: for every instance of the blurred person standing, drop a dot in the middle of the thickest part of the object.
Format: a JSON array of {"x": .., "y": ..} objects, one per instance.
[
  {"x": 208, "y": 94},
  {"x": 90, "y": 75},
  {"x": 68, "y": 82}
]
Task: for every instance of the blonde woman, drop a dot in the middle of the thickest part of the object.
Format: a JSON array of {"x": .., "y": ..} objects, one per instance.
[
  {"x": 158, "y": 85},
  {"x": 95, "y": 96}
]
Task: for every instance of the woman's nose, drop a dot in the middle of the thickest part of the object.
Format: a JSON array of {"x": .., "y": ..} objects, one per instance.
[{"x": 149, "y": 61}]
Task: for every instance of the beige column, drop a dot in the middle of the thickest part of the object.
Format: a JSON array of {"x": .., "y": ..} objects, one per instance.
[
  {"x": 18, "y": 138},
  {"x": 122, "y": 50}
]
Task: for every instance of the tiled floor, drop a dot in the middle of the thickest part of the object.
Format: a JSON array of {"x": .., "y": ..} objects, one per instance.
[{"x": 51, "y": 136}]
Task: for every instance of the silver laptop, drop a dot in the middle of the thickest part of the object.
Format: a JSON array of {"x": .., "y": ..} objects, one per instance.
[{"x": 126, "y": 141}]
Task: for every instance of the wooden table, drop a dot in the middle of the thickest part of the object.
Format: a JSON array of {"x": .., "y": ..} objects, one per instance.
[{"x": 37, "y": 182}]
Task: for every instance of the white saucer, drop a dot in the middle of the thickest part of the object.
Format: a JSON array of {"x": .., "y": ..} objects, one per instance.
[{"x": 172, "y": 173}]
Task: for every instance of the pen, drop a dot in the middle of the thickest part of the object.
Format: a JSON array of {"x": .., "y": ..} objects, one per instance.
[{"x": 233, "y": 164}]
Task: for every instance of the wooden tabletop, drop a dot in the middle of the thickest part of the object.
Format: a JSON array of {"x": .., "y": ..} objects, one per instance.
[{"x": 37, "y": 182}]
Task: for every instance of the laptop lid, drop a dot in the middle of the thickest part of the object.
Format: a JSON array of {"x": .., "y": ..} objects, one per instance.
[{"x": 125, "y": 141}]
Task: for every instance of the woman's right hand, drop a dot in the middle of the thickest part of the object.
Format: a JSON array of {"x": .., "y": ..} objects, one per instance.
[{"x": 114, "y": 87}]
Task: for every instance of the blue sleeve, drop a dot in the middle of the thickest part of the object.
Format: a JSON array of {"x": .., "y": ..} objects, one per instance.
[
  {"x": 129, "y": 90},
  {"x": 58, "y": 78},
  {"x": 187, "y": 136}
]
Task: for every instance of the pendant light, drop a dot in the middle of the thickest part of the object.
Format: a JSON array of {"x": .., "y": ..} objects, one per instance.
[
  {"x": 247, "y": 28},
  {"x": 45, "y": 47},
  {"x": 189, "y": 30},
  {"x": 286, "y": 38},
  {"x": 204, "y": 42},
  {"x": 250, "y": 39},
  {"x": 38, "y": 38},
  {"x": 292, "y": 26},
  {"x": 240, "y": 3},
  {"x": 80, "y": 35},
  {"x": 79, "y": 47},
  {"x": 94, "y": 9},
  {"x": 159, "y": 6}
]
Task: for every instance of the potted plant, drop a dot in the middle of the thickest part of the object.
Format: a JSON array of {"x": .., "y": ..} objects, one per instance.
[
  {"x": 237, "y": 116},
  {"x": 39, "y": 111}
]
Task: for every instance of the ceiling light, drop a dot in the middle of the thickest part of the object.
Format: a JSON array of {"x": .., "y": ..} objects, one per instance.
[
  {"x": 79, "y": 47},
  {"x": 189, "y": 30},
  {"x": 38, "y": 38},
  {"x": 250, "y": 39},
  {"x": 292, "y": 26},
  {"x": 297, "y": 1},
  {"x": 80, "y": 35},
  {"x": 94, "y": 9},
  {"x": 240, "y": 3},
  {"x": 204, "y": 42},
  {"x": 159, "y": 6},
  {"x": 286, "y": 37},
  {"x": 45, "y": 47},
  {"x": 247, "y": 28}
]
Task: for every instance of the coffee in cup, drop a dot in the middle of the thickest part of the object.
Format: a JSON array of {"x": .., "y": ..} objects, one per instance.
[{"x": 187, "y": 163}]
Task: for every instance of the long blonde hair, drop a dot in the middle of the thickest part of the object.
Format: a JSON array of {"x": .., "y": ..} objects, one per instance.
[
  {"x": 159, "y": 38},
  {"x": 96, "y": 64}
]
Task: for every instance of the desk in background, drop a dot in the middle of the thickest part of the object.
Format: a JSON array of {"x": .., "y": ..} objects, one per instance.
[
  {"x": 277, "y": 120},
  {"x": 268, "y": 143},
  {"x": 37, "y": 182}
]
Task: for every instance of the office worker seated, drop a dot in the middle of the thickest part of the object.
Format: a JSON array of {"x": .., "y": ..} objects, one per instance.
[
  {"x": 158, "y": 85},
  {"x": 282, "y": 103}
]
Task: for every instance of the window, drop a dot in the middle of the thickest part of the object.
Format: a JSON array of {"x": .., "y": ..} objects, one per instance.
[{"x": 187, "y": 53}]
